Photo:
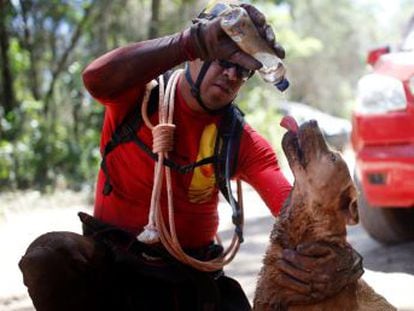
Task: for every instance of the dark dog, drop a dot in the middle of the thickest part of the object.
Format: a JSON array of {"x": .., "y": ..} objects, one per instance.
[{"x": 321, "y": 204}]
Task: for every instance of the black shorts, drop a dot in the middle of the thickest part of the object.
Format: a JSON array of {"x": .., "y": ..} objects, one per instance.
[{"x": 108, "y": 269}]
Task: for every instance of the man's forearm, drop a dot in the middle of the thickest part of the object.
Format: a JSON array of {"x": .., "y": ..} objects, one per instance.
[{"x": 135, "y": 64}]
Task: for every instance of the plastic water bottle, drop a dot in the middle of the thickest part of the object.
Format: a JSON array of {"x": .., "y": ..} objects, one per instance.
[{"x": 237, "y": 24}]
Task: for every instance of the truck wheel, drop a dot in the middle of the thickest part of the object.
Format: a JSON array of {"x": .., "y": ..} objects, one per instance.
[{"x": 386, "y": 225}]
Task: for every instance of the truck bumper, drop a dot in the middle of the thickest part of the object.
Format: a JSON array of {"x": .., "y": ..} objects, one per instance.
[{"x": 387, "y": 175}]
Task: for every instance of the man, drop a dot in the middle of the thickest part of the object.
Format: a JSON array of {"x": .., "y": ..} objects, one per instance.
[{"x": 107, "y": 269}]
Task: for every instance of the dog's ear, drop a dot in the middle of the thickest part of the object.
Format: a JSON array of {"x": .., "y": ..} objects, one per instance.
[
  {"x": 352, "y": 215},
  {"x": 349, "y": 205}
]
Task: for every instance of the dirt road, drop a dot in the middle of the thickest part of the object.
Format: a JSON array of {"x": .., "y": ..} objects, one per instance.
[{"x": 390, "y": 270}]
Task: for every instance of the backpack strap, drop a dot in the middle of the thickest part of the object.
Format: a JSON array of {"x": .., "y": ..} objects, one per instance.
[
  {"x": 126, "y": 131},
  {"x": 123, "y": 133},
  {"x": 227, "y": 150}
]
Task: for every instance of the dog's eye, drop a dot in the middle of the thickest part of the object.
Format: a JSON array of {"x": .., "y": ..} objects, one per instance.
[{"x": 333, "y": 157}]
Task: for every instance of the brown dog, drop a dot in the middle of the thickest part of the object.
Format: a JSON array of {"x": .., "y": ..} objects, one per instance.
[{"x": 322, "y": 202}]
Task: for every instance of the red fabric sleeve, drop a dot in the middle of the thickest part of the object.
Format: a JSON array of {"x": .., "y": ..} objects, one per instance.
[{"x": 258, "y": 166}]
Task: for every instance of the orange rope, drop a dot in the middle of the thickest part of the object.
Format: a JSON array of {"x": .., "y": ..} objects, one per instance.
[{"x": 156, "y": 230}]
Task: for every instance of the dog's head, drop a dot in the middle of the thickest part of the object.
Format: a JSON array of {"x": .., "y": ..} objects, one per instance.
[{"x": 321, "y": 175}]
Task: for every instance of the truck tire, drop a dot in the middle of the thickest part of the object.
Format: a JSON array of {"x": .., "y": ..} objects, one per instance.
[{"x": 386, "y": 225}]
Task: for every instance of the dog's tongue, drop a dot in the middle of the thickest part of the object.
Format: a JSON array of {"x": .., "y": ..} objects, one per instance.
[{"x": 290, "y": 124}]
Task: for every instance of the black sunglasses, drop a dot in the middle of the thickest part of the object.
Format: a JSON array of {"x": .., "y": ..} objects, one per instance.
[{"x": 242, "y": 72}]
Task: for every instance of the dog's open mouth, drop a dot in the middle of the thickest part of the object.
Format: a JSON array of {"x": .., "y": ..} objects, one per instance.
[
  {"x": 301, "y": 143},
  {"x": 291, "y": 143}
]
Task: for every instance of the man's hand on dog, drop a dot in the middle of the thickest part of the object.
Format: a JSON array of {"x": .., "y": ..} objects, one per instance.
[{"x": 316, "y": 271}]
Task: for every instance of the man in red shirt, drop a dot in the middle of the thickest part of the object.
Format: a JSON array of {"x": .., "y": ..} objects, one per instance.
[{"x": 65, "y": 271}]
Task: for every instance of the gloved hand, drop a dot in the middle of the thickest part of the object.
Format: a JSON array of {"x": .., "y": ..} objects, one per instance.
[
  {"x": 211, "y": 42},
  {"x": 264, "y": 29},
  {"x": 316, "y": 271}
]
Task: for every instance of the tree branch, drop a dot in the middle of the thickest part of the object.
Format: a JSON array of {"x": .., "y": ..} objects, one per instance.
[{"x": 61, "y": 64}]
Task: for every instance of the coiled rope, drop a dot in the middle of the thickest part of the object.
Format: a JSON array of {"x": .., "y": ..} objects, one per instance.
[{"x": 163, "y": 139}]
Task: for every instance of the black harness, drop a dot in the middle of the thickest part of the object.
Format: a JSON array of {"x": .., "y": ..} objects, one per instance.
[{"x": 224, "y": 158}]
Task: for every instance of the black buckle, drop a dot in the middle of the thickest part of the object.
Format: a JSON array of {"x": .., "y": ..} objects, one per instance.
[{"x": 107, "y": 188}]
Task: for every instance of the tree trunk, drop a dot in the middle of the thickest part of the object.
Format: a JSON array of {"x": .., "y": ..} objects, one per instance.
[
  {"x": 155, "y": 19},
  {"x": 25, "y": 7},
  {"x": 7, "y": 90}
]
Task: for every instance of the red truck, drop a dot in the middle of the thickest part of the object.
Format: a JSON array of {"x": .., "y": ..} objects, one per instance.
[{"x": 383, "y": 140}]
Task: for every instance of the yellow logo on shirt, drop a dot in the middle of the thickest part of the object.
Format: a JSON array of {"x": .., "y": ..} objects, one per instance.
[{"x": 203, "y": 182}]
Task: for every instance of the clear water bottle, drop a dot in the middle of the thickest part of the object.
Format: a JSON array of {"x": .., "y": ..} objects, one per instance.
[{"x": 237, "y": 24}]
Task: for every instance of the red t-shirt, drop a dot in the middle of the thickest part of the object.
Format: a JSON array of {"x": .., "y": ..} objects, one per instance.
[{"x": 195, "y": 194}]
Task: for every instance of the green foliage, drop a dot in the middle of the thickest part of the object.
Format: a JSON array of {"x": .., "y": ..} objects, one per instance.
[
  {"x": 53, "y": 131},
  {"x": 38, "y": 155},
  {"x": 296, "y": 44},
  {"x": 326, "y": 44}
]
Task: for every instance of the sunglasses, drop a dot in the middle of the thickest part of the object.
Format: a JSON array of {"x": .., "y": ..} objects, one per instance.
[{"x": 242, "y": 72}]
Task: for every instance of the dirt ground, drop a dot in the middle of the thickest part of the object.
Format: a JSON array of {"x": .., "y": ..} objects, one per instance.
[{"x": 389, "y": 270}]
